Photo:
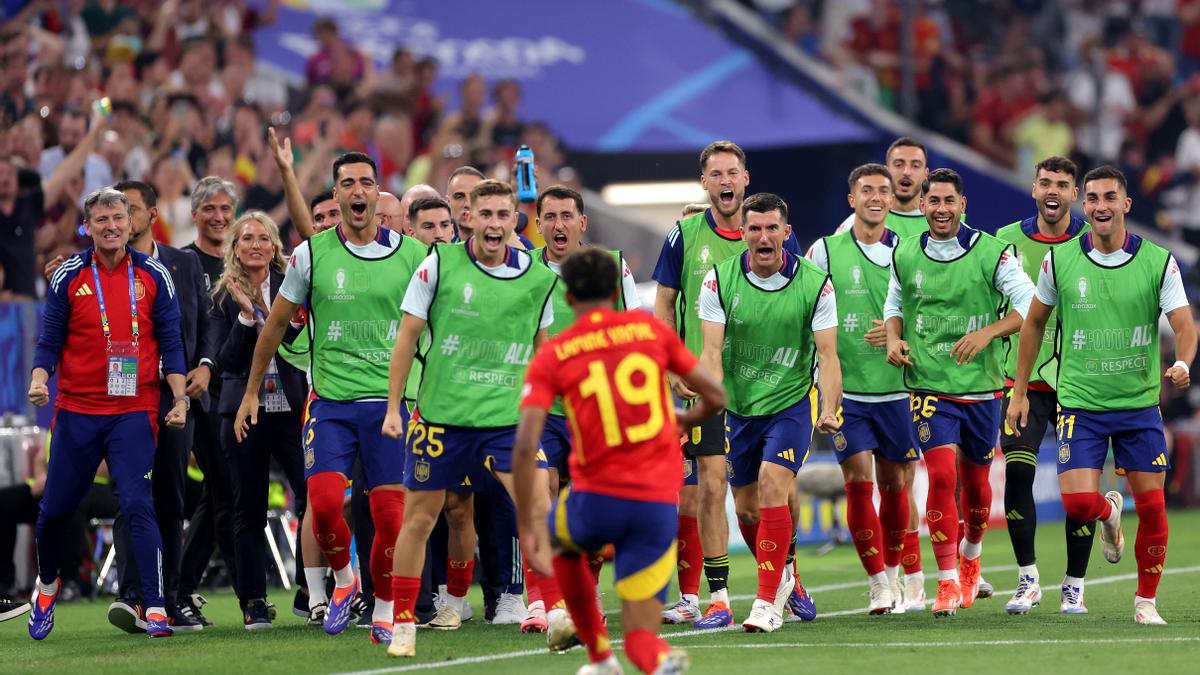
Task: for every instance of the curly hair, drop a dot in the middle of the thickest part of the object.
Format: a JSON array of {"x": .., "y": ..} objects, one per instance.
[{"x": 235, "y": 273}]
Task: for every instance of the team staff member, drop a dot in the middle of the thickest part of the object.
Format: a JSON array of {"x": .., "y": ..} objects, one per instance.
[
  {"x": 1111, "y": 287},
  {"x": 123, "y": 302},
  {"x": 944, "y": 296},
  {"x": 254, "y": 267}
]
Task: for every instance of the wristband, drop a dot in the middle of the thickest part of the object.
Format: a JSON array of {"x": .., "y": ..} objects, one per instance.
[{"x": 1181, "y": 364}]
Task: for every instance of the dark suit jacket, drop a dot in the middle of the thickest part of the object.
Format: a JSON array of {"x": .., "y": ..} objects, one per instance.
[
  {"x": 200, "y": 339},
  {"x": 236, "y": 354}
]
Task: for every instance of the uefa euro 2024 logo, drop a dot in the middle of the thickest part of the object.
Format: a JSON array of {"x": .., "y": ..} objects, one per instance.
[
  {"x": 468, "y": 291},
  {"x": 856, "y": 275},
  {"x": 918, "y": 280},
  {"x": 1083, "y": 284},
  {"x": 340, "y": 278}
]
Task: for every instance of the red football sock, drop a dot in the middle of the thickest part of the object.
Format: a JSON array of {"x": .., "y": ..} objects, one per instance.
[
  {"x": 941, "y": 511},
  {"x": 1150, "y": 547},
  {"x": 691, "y": 556},
  {"x": 575, "y": 580},
  {"x": 531, "y": 585},
  {"x": 404, "y": 591},
  {"x": 458, "y": 576},
  {"x": 864, "y": 525},
  {"x": 387, "y": 512},
  {"x": 551, "y": 594},
  {"x": 645, "y": 649},
  {"x": 326, "y": 495},
  {"x": 595, "y": 563},
  {"x": 774, "y": 534},
  {"x": 750, "y": 534},
  {"x": 910, "y": 558},
  {"x": 1086, "y": 506},
  {"x": 893, "y": 518},
  {"x": 977, "y": 499}
]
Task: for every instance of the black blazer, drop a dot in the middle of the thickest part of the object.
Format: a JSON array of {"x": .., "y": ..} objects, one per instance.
[
  {"x": 236, "y": 354},
  {"x": 200, "y": 339}
]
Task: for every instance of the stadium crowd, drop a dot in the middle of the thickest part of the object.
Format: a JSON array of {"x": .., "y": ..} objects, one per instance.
[
  {"x": 189, "y": 99},
  {"x": 1100, "y": 81}
]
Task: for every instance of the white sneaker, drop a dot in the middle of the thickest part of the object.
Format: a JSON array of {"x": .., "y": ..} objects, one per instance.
[
  {"x": 560, "y": 631},
  {"x": 510, "y": 610},
  {"x": 404, "y": 640},
  {"x": 1027, "y": 596},
  {"x": 1112, "y": 541},
  {"x": 787, "y": 581},
  {"x": 1072, "y": 599},
  {"x": 881, "y": 599},
  {"x": 682, "y": 612},
  {"x": 914, "y": 592},
  {"x": 899, "y": 604},
  {"x": 675, "y": 662},
  {"x": 764, "y": 618},
  {"x": 986, "y": 590},
  {"x": 535, "y": 618},
  {"x": 609, "y": 666},
  {"x": 1145, "y": 612},
  {"x": 447, "y": 618},
  {"x": 465, "y": 612}
]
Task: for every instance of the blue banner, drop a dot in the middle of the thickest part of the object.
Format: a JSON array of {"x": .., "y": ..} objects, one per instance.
[{"x": 613, "y": 76}]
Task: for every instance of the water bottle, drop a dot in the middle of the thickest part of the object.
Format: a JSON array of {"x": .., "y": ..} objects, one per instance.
[{"x": 526, "y": 182}]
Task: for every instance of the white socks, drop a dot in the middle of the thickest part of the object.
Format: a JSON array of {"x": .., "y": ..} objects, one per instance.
[
  {"x": 315, "y": 577},
  {"x": 971, "y": 551},
  {"x": 1028, "y": 571},
  {"x": 951, "y": 575},
  {"x": 344, "y": 577},
  {"x": 382, "y": 612}
]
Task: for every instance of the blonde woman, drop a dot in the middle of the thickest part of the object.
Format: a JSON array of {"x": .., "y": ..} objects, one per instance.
[{"x": 254, "y": 267}]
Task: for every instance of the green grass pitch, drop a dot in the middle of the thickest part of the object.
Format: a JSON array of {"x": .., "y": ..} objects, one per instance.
[{"x": 979, "y": 641}]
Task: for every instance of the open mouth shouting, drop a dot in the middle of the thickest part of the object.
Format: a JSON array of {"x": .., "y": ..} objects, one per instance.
[
  {"x": 727, "y": 200},
  {"x": 560, "y": 241},
  {"x": 492, "y": 240},
  {"x": 1052, "y": 209},
  {"x": 359, "y": 208},
  {"x": 764, "y": 253},
  {"x": 904, "y": 185}
]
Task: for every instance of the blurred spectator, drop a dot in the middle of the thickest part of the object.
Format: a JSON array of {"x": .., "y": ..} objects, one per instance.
[
  {"x": 1044, "y": 132},
  {"x": 14, "y": 74},
  {"x": 998, "y": 108},
  {"x": 1189, "y": 44},
  {"x": 503, "y": 126},
  {"x": 72, "y": 128},
  {"x": 335, "y": 63},
  {"x": 1105, "y": 98},
  {"x": 1187, "y": 162}
]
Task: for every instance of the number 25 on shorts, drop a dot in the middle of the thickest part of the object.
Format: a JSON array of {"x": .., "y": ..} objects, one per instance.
[{"x": 428, "y": 437}]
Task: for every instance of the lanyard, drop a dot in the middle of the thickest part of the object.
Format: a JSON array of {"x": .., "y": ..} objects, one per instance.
[{"x": 133, "y": 312}]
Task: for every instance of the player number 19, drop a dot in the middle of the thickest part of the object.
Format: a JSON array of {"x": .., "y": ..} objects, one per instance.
[{"x": 647, "y": 393}]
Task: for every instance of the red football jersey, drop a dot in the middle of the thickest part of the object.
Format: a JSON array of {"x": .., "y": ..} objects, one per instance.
[{"x": 610, "y": 368}]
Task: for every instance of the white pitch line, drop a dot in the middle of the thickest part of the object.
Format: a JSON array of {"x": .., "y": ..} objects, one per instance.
[
  {"x": 845, "y": 612},
  {"x": 956, "y": 643}
]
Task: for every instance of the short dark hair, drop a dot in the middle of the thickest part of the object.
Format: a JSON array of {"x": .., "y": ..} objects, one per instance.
[
  {"x": 354, "y": 158},
  {"x": 943, "y": 176},
  {"x": 148, "y": 194},
  {"x": 323, "y": 197},
  {"x": 721, "y": 146},
  {"x": 765, "y": 202},
  {"x": 591, "y": 274},
  {"x": 871, "y": 169},
  {"x": 906, "y": 142},
  {"x": 1107, "y": 171},
  {"x": 1057, "y": 164},
  {"x": 492, "y": 188},
  {"x": 425, "y": 203},
  {"x": 560, "y": 192},
  {"x": 465, "y": 170}
]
